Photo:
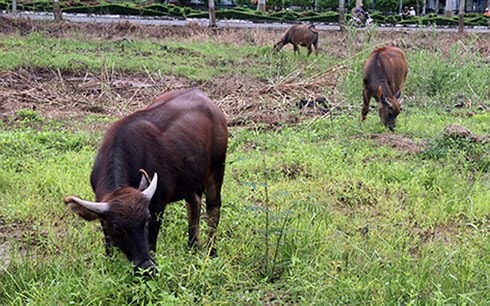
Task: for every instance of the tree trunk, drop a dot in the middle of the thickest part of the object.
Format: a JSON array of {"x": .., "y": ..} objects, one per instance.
[
  {"x": 261, "y": 6},
  {"x": 14, "y": 7},
  {"x": 448, "y": 11},
  {"x": 342, "y": 15},
  {"x": 212, "y": 14},
  {"x": 461, "y": 17},
  {"x": 57, "y": 11}
]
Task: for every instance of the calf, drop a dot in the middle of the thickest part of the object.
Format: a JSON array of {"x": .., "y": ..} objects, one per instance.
[
  {"x": 300, "y": 34},
  {"x": 180, "y": 140},
  {"x": 385, "y": 72}
]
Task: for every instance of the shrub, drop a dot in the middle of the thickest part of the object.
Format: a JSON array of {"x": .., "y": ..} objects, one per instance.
[
  {"x": 325, "y": 17},
  {"x": 457, "y": 144}
]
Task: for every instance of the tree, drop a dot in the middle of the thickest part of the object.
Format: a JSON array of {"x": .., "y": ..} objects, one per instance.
[
  {"x": 261, "y": 6},
  {"x": 342, "y": 15},
  {"x": 57, "y": 11},
  {"x": 212, "y": 14},
  {"x": 461, "y": 17},
  {"x": 14, "y": 7},
  {"x": 448, "y": 11}
]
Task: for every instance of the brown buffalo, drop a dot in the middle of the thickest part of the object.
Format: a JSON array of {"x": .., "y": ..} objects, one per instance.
[
  {"x": 180, "y": 140},
  {"x": 385, "y": 72},
  {"x": 300, "y": 34}
]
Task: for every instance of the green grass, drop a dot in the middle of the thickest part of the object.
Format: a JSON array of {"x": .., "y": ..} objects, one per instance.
[{"x": 318, "y": 213}]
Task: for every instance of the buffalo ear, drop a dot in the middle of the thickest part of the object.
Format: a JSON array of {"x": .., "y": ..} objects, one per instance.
[
  {"x": 380, "y": 93},
  {"x": 145, "y": 180},
  {"x": 150, "y": 190},
  {"x": 387, "y": 102},
  {"x": 398, "y": 94},
  {"x": 87, "y": 210}
]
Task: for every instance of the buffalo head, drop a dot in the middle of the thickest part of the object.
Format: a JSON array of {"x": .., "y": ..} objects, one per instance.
[
  {"x": 388, "y": 107},
  {"x": 125, "y": 215}
]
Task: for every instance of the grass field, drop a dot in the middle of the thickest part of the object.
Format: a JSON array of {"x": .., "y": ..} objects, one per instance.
[{"x": 318, "y": 209}]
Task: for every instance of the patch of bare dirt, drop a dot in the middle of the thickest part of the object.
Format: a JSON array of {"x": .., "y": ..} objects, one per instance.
[
  {"x": 398, "y": 142},
  {"x": 14, "y": 238},
  {"x": 448, "y": 233}
]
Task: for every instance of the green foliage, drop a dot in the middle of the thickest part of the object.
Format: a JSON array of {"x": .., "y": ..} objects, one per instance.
[
  {"x": 328, "y": 5},
  {"x": 122, "y": 9},
  {"x": 289, "y": 15},
  {"x": 326, "y": 17},
  {"x": 446, "y": 80},
  {"x": 387, "y": 5},
  {"x": 28, "y": 116}
]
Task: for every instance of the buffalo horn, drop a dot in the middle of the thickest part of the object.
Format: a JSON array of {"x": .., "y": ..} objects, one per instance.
[
  {"x": 387, "y": 102},
  {"x": 97, "y": 207},
  {"x": 150, "y": 191}
]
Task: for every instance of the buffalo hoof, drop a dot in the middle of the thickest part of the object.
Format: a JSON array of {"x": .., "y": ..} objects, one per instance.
[{"x": 213, "y": 253}]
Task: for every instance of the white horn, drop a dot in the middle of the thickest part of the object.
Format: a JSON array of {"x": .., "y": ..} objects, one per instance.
[
  {"x": 150, "y": 191},
  {"x": 97, "y": 207}
]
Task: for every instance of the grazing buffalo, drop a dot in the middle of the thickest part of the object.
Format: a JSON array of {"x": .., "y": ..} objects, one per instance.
[
  {"x": 180, "y": 140},
  {"x": 385, "y": 72},
  {"x": 300, "y": 34}
]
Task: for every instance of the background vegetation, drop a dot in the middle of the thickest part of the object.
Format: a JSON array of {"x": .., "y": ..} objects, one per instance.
[
  {"x": 386, "y": 12},
  {"x": 323, "y": 211}
]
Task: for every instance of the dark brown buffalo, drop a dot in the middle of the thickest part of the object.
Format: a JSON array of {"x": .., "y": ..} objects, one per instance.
[
  {"x": 180, "y": 140},
  {"x": 385, "y": 72},
  {"x": 299, "y": 34}
]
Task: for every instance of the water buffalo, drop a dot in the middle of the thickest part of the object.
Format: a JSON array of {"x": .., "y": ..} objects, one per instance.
[
  {"x": 385, "y": 72},
  {"x": 300, "y": 34},
  {"x": 180, "y": 140}
]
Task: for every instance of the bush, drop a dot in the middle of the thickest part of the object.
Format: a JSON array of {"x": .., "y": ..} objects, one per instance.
[
  {"x": 325, "y": 5},
  {"x": 456, "y": 144},
  {"x": 387, "y": 5},
  {"x": 326, "y": 17},
  {"x": 286, "y": 15}
]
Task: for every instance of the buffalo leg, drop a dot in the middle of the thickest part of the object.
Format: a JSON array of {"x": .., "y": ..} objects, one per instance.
[
  {"x": 107, "y": 240},
  {"x": 365, "y": 108},
  {"x": 213, "y": 208},
  {"x": 153, "y": 229},
  {"x": 309, "y": 49},
  {"x": 296, "y": 49},
  {"x": 193, "y": 204}
]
